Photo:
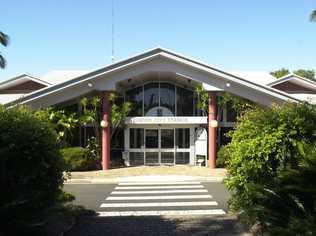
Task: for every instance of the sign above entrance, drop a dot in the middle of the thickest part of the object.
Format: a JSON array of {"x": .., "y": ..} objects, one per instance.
[{"x": 167, "y": 120}]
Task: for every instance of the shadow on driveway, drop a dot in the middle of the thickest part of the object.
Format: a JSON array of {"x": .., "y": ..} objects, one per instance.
[{"x": 157, "y": 225}]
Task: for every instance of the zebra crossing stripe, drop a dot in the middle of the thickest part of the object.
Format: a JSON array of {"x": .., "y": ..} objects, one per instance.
[
  {"x": 160, "y": 197},
  {"x": 163, "y": 212},
  {"x": 158, "y": 183},
  {"x": 161, "y": 187},
  {"x": 162, "y": 191},
  {"x": 158, "y": 204},
  {"x": 178, "y": 189}
]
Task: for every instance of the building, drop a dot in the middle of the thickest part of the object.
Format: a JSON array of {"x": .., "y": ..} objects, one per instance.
[{"x": 164, "y": 126}]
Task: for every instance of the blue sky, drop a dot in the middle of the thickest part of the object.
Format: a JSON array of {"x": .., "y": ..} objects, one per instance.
[{"x": 231, "y": 34}]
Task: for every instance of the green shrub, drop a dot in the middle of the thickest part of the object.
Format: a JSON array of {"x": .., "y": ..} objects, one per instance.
[
  {"x": 31, "y": 168},
  {"x": 78, "y": 159},
  {"x": 222, "y": 157},
  {"x": 63, "y": 121},
  {"x": 265, "y": 143},
  {"x": 94, "y": 152},
  {"x": 288, "y": 206}
]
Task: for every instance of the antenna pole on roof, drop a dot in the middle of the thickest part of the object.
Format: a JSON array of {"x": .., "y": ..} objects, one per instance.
[{"x": 112, "y": 57}]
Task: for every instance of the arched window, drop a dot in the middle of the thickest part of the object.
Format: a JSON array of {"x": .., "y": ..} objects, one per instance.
[
  {"x": 184, "y": 102},
  {"x": 151, "y": 98},
  {"x": 167, "y": 99},
  {"x": 135, "y": 96},
  {"x": 161, "y": 99}
]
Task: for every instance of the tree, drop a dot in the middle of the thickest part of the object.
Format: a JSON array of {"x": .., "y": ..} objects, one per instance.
[
  {"x": 119, "y": 111},
  {"x": 4, "y": 40},
  {"x": 308, "y": 74},
  {"x": 31, "y": 170},
  {"x": 63, "y": 122},
  {"x": 280, "y": 73},
  {"x": 92, "y": 111},
  {"x": 202, "y": 99},
  {"x": 313, "y": 16},
  {"x": 91, "y": 114}
]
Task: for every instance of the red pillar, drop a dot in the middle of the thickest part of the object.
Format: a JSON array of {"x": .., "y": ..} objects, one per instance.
[
  {"x": 105, "y": 131},
  {"x": 212, "y": 110}
]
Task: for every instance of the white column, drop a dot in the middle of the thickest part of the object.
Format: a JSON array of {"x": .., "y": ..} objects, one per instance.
[{"x": 192, "y": 146}]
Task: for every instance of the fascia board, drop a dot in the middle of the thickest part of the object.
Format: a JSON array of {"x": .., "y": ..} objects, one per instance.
[
  {"x": 65, "y": 85},
  {"x": 233, "y": 78},
  {"x": 139, "y": 58},
  {"x": 15, "y": 81}
]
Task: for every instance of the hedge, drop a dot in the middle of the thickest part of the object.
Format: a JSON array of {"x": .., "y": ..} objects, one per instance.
[
  {"x": 267, "y": 144},
  {"x": 222, "y": 157},
  {"x": 78, "y": 159},
  {"x": 31, "y": 168}
]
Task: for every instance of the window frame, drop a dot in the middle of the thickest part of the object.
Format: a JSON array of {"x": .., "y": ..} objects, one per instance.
[{"x": 176, "y": 86}]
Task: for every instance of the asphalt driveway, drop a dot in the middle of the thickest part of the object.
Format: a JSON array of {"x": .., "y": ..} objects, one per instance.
[{"x": 92, "y": 196}]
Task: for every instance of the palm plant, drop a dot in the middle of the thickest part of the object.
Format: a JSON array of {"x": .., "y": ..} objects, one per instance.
[
  {"x": 313, "y": 16},
  {"x": 4, "y": 40},
  {"x": 202, "y": 99},
  {"x": 288, "y": 207},
  {"x": 119, "y": 111},
  {"x": 90, "y": 113},
  {"x": 65, "y": 123}
]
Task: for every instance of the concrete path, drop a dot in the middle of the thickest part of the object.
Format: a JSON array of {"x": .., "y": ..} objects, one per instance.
[{"x": 148, "y": 173}]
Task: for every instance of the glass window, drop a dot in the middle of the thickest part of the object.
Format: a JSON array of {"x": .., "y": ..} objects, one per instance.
[
  {"x": 159, "y": 99},
  {"x": 182, "y": 158},
  {"x": 151, "y": 138},
  {"x": 184, "y": 102},
  {"x": 152, "y": 158},
  {"x": 220, "y": 114},
  {"x": 118, "y": 139},
  {"x": 136, "y": 138},
  {"x": 151, "y": 96},
  {"x": 224, "y": 139},
  {"x": 167, "y": 99},
  {"x": 183, "y": 138},
  {"x": 231, "y": 113},
  {"x": 75, "y": 140},
  {"x": 87, "y": 132},
  {"x": 167, "y": 138},
  {"x": 197, "y": 111},
  {"x": 167, "y": 157},
  {"x": 135, "y": 96},
  {"x": 136, "y": 158}
]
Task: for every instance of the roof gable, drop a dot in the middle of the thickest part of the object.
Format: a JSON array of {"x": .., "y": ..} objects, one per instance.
[
  {"x": 159, "y": 57},
  {"x": 24, "y": 87},
  {"x": 21, "y": 79},
  {"x": 291, "y": 82}
]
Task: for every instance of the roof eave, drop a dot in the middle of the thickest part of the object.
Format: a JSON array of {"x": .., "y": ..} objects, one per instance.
[
  {"x": 146, "y": 56},
  {"x": 23, "y": 76}
]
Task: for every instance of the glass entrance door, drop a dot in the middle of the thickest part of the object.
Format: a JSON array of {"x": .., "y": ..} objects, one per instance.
[
  {"x": 159, "y": 144},
  {"x": 152, "y": 147},
  {"x": 167, "y": 146}
]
